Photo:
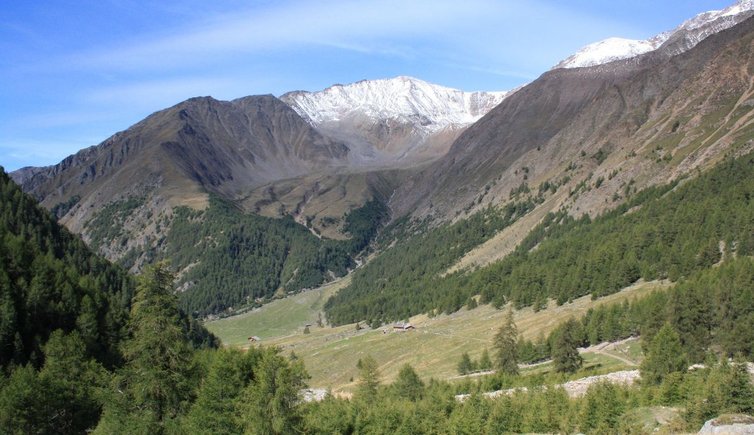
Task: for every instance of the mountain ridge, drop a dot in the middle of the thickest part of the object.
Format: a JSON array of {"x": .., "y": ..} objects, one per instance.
[
  {"x": 679, "y": 39},
  {"x": 632, "y": 122}
]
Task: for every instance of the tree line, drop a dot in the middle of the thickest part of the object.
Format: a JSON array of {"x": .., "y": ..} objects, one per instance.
[
  {"x": 712, "y": 309},
  {"x": 397, "y": 283}
]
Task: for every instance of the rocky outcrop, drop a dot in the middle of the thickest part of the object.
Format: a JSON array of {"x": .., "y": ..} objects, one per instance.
[
  {"x": 575, "y": 388},
  {"x": 732, "y": 424}
]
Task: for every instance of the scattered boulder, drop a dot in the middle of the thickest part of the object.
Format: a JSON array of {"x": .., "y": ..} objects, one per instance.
[
  {"x": 313, "y": 394},
  {"x": 579, "y": 387},
  {"x": 576, "y": 388},
  {"x": 734, "y": 424}
]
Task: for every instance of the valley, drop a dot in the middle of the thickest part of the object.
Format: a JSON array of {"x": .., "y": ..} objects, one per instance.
[
  {"x": 571, "y": 254},
  {"x": 433, "y": 348}
]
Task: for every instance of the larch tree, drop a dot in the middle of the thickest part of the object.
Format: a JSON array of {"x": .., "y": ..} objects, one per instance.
[
  {"x": 465, "y": 365},
  {"x": 506, "y": 346},
  {"x": 154, "y": 386},
  {"x": 565, "y": 351},
  {"x": 408, "y": 385},
  {"x": 485, "y": 363},
  {"x": 369, "y": 381},
  {"x": 665, "y": 355},
  {"x": 269, "y": 403}
]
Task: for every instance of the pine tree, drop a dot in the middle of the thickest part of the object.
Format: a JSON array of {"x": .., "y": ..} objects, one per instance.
[
  {"x": 602, "y": 408},
  {"x": 23, "y": 400},
  {"x": 408, "y": 385},
  {"x": 213, "y": 412},
  {"x": 155, "y": 383},
  {"x": 369, "y": 378},
  {"x": 665, "y": 355},
  {"x": 506, "y": 345},
  {"x": 727, "y": 389},
  {"x": 72, "y": 383},
  {"x": 740, "y": 389},
  {"x": 465, "y": 365},
  {"x": 269, "y": 403},
  {"x": 565, "y": 351},
  {"x": 485, "y": 363}
]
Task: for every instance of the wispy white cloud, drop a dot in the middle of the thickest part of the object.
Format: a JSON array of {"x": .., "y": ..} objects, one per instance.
[
  {"x": 379, "y": 26},
  {"x": 205, "y": 48},
  {"x": 360, "y": 26}
]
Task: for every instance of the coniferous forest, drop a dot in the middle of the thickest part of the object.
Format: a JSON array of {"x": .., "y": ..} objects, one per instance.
[
  {"x": 87, "y": 347},
  {"x": 234, "y": 259},
  {"x": 664, "y": 232}
]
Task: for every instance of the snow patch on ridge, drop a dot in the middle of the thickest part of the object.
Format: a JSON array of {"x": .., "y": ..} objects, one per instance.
[
  {"x": 693, "y": 31},
  {"x": 609, "y": 50}
]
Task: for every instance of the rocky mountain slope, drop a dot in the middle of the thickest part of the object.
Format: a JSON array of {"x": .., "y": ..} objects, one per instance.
[
  {"x": 200, "y": 145},
  {"x": 258, "y": 154},
  {"x": 683, "y": 38},
  {"x": 600, "y": 132},
  {"x": 176, "y": 157},
  {"x": 580, "y": 139},
  {"x": 394, "y": 122}
]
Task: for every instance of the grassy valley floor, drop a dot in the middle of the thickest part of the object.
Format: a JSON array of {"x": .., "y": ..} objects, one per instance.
[{"x": 433, "y": 348}]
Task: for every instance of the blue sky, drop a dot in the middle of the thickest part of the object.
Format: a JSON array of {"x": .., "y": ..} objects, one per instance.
[{"x": 75, "y": 72}]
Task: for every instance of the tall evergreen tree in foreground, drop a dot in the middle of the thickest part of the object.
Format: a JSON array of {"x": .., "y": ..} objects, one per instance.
[
  {"x": 214, "y": 411},
  {"x": 154, "y": 386},
  {"x": 269, "y": 405},
  {"x": 506, "y": 345}
]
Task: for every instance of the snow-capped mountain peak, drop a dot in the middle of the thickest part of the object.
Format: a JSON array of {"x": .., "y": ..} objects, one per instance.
[
  {"x": 401, "y": 98},
  {"x": 688, "y": 34},
  {"x": 608, "y": 50}
]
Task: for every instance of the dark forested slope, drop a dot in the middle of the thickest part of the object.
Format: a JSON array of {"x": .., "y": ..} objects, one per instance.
[
  {"x": 665, "y": 232},
  {"x": 50, "y": 280},
  {"x": 233, "y": 259}
]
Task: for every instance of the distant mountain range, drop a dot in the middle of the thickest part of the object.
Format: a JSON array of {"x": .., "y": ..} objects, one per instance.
[{"x": 616, "y": 117}]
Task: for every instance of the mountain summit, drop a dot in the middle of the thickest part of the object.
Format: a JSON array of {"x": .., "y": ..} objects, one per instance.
[
  {"x": 678, "y": 40},
  {"x": 400, "y": 120},
  {"x": 401, "y": 97}
]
